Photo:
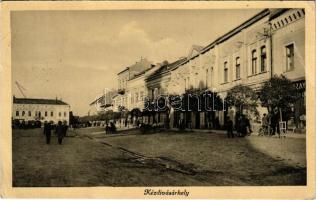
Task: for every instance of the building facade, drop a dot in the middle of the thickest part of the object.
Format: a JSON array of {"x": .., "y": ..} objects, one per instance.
[
  {"x": 50, "y": 110},
  {"x": 270, "y": 43}
]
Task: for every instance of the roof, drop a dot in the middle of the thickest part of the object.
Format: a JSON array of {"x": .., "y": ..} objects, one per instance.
[
  {"x": 236, "y": 30},
  {"x": 229, "y": 34},
  {"x": 123, "y": 71},
  {"x": 165, "y": 68},
  {"x": 38, "y": 101}
]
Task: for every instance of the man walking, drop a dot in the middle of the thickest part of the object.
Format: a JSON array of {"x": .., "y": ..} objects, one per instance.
[
  {"x": 60, "y": 132},
  {"x": 47, "y": 132}
]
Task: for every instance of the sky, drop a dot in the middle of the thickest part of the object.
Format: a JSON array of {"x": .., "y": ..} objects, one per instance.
[{"x": 74, "y": 55}]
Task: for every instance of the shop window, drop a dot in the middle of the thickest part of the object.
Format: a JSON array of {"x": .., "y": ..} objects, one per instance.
[{"x": 289, "y": 57}]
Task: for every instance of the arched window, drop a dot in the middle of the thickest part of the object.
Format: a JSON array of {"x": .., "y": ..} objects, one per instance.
[
  {"x": 263, "y": 55},
  {"x": 23, "y": 113},
  {"x": 253, "y": 62},
  {"x": 237, "y": 68}
]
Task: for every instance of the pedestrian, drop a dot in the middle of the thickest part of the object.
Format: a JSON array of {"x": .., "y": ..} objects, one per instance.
[
  {"x": 244, "y": 126},
  {"x": 237, "y": 124},
  {"x": 265, "y": 124},
  {"x": 107, "y": 128},
  {"x": 60, "y": 132},
  {"x": 229, "y": 128},
  {"x": 275, "y": 123},
  {"x": 65, "y": 128},
  {"x": 112, "y": 127},
  {"x": 47, "y": 132}
]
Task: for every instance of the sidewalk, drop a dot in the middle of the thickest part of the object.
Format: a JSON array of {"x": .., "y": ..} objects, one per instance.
[{"x": 288, "y": 134}]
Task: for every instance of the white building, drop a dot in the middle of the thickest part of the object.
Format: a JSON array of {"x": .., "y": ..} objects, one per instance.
[{"x": 26, "y": 109}]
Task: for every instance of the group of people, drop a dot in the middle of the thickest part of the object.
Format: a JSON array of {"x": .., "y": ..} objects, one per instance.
[
  {"x": 60, "y": 131},
  {"x": 270, "y": 123},
  {"x": 111, "y": 128},
  {"x": 242, "y": 126}
]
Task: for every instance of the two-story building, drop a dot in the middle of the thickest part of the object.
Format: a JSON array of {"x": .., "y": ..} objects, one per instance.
[{"x": 50, "y": 110}]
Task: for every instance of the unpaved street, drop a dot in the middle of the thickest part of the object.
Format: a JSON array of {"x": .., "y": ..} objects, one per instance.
[{"x": 162, "y": 159}]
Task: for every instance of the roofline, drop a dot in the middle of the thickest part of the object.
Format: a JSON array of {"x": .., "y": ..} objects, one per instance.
[
  {"x": 127, "y": 68},
  {"x": 229, "y": 34},
  {"x": 64, "y": 103},
  {"x": 237, "y": 29},
  {"x": 96, "y": 100}
]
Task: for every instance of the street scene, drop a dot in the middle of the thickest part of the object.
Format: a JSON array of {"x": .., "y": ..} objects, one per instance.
[{"x": 141, "y": 104}]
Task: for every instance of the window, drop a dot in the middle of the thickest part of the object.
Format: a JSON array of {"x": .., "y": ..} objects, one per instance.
[
  {"x": 206, "y": 78},
  {"x": 263, "y": 59},
  {"x": 23, "y": 113},
  {"x": 30, "y": 113},
  {"x": 39, "y": 114},
  {"x": 289, "y": 57},
  {"x": 290, "y": 18},
  {"x": 294, "y": 15},
  {"x": 51, "y": 113},
  {"x": 45, "y": 113},
  {"x": 237, "y": 68},
  {"x": 17, "y": 113},
  {"x": 253, "y": 62},
  {"x": 65, "y": 114},
  {"x": 59, "y": 114},
  {"x": 225, "y": 72}
]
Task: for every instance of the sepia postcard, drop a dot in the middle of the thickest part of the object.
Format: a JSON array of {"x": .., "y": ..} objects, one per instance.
[{"x": 163, "y": 100}]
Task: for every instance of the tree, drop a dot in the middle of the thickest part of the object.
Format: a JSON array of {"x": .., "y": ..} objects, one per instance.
[
  {"x": 278, "y": 93},
  {"x": 243, "y": 97}
]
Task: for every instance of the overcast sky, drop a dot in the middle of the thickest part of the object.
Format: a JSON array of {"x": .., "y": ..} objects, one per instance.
[{"x": 75, "y": 54}]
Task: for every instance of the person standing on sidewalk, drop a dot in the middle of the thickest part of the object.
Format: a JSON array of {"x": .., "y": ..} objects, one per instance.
[
  {"x": 229, "y": 128},
  {"x": 47, "y": 132},
  {"x": 60, "y": 132}
]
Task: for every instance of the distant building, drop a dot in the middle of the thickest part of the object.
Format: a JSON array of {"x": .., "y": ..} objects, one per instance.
[
  {"x": 102, "y": 103},
  {"x": 26, "y": 109}
]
